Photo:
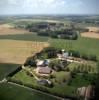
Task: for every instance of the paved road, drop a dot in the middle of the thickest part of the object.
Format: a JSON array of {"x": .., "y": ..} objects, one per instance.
[{"x": 58, "y": 98}]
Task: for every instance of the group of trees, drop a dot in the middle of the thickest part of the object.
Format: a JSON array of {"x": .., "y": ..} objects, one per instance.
[
  {"x": 58, "y": 65},
  {"x": 83, "y": 68},
  {"x": 63, "y": 34},
  {"x": 30, "y": 61},
  {"x": 52, "y": 30}
]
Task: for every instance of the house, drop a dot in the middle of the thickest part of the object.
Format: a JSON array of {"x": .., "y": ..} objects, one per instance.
[
  {"x": 63, "y": 56},
  {"x": 39, "y": 63},
  {"x": 46, "y": 62},
  {"x": 43, "y": 70}
]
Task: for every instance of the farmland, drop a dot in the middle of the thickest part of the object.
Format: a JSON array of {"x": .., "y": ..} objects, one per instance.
[
  {"x": 13, "y": 92},
  {"x": 13, "y": 51},
  {"x": 93, "y": 33},
  {"x": 83, "y": 45},
  {"x": 6, "y": 29},
  {"x": 7, "y": 68},
  {"x": 18, "y": 44}
]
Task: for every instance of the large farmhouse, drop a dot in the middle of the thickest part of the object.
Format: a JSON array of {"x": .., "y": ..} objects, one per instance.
[{"x": 43, "y": 70}]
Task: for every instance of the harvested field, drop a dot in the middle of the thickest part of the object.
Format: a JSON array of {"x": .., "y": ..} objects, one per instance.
[
  {"x": 93, "y": 29},
  {"x": 90, "y": 35},
  {"x": 93, "y": 33},
  {"x": 13, "y": 51},
  {"x": 6, "y": 29}
]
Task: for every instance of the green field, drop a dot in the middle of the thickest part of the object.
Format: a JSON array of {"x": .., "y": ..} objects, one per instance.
[
  {"x": 5, "y": 69},
  {"x": 25, "y": 37},
  {"x": 83, "y": 45},
  {"x": 12, "y": 92}
]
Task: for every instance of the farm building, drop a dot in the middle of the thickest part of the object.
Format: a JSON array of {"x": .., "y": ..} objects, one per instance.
[
  {"x": 42, "y": 63},
  {"x": 86, "y": 92},
  {"x": 43, "y": 70}
]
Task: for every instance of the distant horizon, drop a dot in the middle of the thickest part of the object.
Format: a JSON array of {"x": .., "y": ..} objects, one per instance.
[
  {"x": 49, "y": 14},
  {"x": 49, "y": 7}
]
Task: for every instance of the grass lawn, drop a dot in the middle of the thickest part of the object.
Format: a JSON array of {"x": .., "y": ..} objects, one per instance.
[
  {"x": 61, "y": 77},
  {"x": 5, "y": 69},
  {"x": 12, "y": 92},
  {"x": 23, "y": 77}
]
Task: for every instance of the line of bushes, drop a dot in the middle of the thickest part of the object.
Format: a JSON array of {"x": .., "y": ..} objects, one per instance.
[{"x": 14, "y": 72}]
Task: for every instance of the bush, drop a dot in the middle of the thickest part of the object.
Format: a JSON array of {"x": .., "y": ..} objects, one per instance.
[{"x": 30, "y": 61}]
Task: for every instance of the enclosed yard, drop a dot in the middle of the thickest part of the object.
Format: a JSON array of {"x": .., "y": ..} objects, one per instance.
[{"x": 60, "y": 85}]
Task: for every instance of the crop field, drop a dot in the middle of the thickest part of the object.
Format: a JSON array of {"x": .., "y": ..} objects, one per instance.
[
  {"x": 6, "y": 29},
  {"x": 6, "y": 68},
  {"x": 90, "y": 35},
  {"x": 13, "y": 51},
  {"x": 13, "y": 92}
]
